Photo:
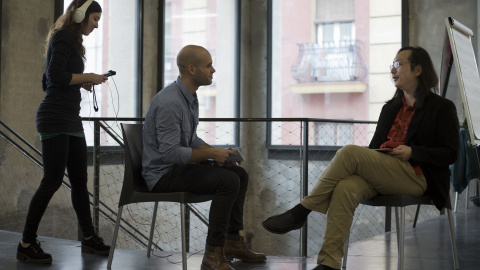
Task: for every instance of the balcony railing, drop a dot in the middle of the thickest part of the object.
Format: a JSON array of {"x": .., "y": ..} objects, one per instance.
[{"x": 329, "y": 62}]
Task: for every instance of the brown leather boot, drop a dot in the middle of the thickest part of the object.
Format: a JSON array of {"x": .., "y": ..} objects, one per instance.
[
  {"x": 215, "y": 260},
  {"x": 239, "y": 250}
]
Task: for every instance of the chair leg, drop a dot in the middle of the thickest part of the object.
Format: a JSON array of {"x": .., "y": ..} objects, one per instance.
[
  {"x": 452, "y": 238},
  {"x": 184, "y": 236},
  {"x": 345, "y": 252},
  {"x": 466, "y": 197},
  {"x": 456, "y": 202},
  {"x": 388, "y": 219},
  {"x": 416, "y": 216},
  {"x": 402, "y": 238},
  {"x": 400, "y": 234},
  {"x": 397, "y": 225},
  {"x": 152, "y": 229},
  {"x": 114, "y": 238}
]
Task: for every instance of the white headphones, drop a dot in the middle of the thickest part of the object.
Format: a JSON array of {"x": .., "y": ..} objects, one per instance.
[{"x": 79, "y": 13}]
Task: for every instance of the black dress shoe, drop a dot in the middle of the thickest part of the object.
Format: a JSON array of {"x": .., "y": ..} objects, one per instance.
[
  {"x": 282, "y": 223},
  {"x": 33, "y": 253},
  {"x": 324, "y": 267},
  {"x": 95, "y": 246}
]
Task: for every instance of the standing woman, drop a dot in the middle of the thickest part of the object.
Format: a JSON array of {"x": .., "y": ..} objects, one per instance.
[{"x": 60, "y": 128}]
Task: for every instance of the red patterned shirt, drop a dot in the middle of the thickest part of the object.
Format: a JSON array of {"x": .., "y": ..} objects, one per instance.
[{"x": 398, "y": 132}]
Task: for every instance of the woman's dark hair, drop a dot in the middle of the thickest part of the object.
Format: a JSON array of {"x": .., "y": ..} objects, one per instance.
[
  {"x": 427, "y": 80},
  {"x": 66, "y": 22}
]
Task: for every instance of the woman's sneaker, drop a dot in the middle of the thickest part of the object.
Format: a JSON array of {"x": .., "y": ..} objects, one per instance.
[
  {"x": 33, "y": 253},
  {"x": 95, "y": 245}
]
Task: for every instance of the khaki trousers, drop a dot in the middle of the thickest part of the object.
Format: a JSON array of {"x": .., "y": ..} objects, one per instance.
[{"x": 353, "y": 175}]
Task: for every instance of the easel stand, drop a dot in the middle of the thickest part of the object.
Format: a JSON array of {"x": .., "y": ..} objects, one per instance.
[{"x": 459, "y": 81}]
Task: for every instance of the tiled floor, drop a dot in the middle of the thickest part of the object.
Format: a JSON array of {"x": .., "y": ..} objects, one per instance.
[{"x": 426, "y": 247}]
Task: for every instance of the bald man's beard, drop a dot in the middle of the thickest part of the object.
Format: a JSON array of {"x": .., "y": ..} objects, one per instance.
[{"x": 203, "y": 81}]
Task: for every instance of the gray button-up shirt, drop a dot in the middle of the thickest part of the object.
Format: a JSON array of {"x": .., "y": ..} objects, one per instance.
[{"x": 169, "y": 131}]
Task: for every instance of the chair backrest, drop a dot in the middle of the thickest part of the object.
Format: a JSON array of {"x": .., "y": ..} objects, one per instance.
[{"x": 133, "y": 180}]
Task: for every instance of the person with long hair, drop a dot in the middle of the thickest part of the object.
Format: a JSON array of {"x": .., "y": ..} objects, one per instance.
[
  {"x": 61, "y": 132},
  {"x": 417, "y": 138}
]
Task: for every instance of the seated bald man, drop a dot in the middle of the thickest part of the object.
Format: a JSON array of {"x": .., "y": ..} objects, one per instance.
[{"x": 173, "y": 160}]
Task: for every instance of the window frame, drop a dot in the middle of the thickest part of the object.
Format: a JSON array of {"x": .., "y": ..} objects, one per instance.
[
  {"x": 237, "y": 64},
  {"x": 269, "y": 106},
  {"x": 138, "y": 47},
  {"x": 112, "y": 153}
]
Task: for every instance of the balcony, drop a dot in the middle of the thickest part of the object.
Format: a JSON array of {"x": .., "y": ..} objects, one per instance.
[{"x": 329, "y": 62}]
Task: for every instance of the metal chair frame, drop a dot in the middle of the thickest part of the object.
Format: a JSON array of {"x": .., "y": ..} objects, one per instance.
[
  {"x": 400, "y": 202},
  {"x": 134, "y": 190}
]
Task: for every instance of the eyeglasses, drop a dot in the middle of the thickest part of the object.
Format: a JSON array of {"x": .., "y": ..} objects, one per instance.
[{"x": 396, "y": 64}]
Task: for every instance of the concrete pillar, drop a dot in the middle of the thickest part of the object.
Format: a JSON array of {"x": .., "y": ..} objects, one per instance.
[
  {"x": 25, "y": 25},
  {"x": 253, "y": 92},
  {"x": 150, "y": 53},
  {"x": 427, "y": 24}
]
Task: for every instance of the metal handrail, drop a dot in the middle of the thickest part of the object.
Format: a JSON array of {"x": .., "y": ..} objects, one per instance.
[
  {"x": 304, "y": 153},
  {"x": 68, "y": 186},
  {"x": 128, "y": 228},
  {"x": 244, "y": 119}
]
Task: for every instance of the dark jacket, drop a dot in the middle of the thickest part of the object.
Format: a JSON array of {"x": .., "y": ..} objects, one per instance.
[
  {"x": 433, "y": 137},
  {"x": 465, "y": 168},
  {"x": 60, "y": 109}
]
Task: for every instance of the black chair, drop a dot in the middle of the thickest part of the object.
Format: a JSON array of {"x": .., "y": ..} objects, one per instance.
[
  {"x": 134, "y": 190},
  {"x": 399, "y": 202}
]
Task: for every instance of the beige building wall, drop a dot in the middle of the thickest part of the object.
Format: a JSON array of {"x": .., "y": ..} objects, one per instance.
[{"x": 385, "y": 40}]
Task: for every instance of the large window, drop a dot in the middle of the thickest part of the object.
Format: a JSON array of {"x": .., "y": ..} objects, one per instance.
[
  {"x": 329, "y": 58},
  {"x": 210, "y": 24},
  {"x": 111, "y": 47}
]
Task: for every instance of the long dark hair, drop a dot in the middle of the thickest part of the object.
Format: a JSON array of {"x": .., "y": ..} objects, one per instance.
[
  {"x": 66, "y": 22},
  {"x": 428, "y": 79}
]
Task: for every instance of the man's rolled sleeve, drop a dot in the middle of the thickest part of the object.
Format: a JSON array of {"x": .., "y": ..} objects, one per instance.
[{"x": 197, "y": 142}]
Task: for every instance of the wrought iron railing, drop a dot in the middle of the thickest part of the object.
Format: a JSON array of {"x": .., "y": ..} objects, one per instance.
[{"x": 329, "y": 62}]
